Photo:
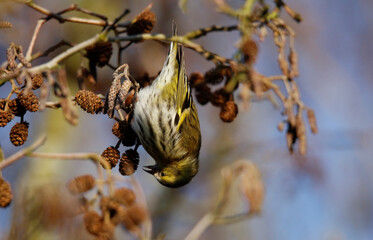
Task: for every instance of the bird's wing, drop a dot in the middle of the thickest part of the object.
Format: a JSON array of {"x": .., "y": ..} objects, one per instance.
[{"x": 183, "y": 93}]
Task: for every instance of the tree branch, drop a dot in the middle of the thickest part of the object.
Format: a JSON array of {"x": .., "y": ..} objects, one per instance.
[{"x": 24, "y": 152}]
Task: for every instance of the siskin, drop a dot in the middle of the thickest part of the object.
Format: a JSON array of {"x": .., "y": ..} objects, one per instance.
[{"x": 166, "y": 121}]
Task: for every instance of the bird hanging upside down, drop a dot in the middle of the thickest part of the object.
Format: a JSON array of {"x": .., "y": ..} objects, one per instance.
[{"x": 166, "y": 122}]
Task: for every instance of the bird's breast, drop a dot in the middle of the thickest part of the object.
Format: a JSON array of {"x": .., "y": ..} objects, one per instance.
[{"x": 154, "y": 124}]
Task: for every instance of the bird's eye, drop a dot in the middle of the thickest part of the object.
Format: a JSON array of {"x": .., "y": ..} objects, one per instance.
[{"x": 162, "y": 174}]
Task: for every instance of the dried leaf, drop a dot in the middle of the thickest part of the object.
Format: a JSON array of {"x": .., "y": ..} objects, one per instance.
[
  {"x": 123, "y": 92},
  {"x": 251, "y": 184}
]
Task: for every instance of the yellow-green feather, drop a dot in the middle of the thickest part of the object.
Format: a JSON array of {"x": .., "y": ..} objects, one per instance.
[{"x": 178, "y": 83}]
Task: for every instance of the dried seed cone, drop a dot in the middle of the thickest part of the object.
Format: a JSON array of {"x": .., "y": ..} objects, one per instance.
[
  {"x": 117, "y": 216},
  {"x": 108, "y": 204},
  {"x": 133, "y": 217},
  {"x": 37, "y": 81},
  {"x": 129, "y": 162},
  {"x": 228, "y": 111},
  {"x": 118, "y": 129},
  {"x": 125, "y": 196},
  {"x": 19, "y": 133},
  {"x": 89, "y": 101},
  {"x": 92, "y": 222},
  {"x": 196, "y": 78},
  {"x": 5, "y": 118},
  {"x": 29, "y": 101},
  {"x": 100, "y": 53},
  {"x": 106, "y": 231},
  {"x": 16, "y": 107},
  {"x": 81, "y": 184},
  {"x": 124, "y": 132},
  {"x": 220, "y": 97},
  {"x": 5, "y": 193},
  {"x": 203, "y": 93},
  {"x": 111, "y": 155},
  {"x": 127, "y": 221},
  {"x": 143, "y": 23},
  {"x": 129, "y": 138},
  {"x": 218, "y": 74},
  {"x": 137, "y": 213},
  {"x": 114, "y": 208},
  {"x": 249, "y": 49}
]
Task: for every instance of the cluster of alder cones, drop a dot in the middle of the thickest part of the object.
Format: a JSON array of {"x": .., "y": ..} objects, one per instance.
[
  {"x": 128, "y": 162},
  {"x": 120, "y": 208},
  {"x": 6, "y": 195},
  {"x": 218, "y": 98},
  {"x": 26, "y": 101}
]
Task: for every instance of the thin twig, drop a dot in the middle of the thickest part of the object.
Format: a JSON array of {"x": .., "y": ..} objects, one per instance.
[
  {"x": 217, "y": 59},
  {"x": 50, "y": 49},
  {"x": 96, "y": 158},
  {"x": 204, "y": 31},
  {"x": 229, "y": 175},
  {"x": 200, "y": 227},
  {"x": 65, "y": 156},
  {"x": 50, "y": 14},
  {"x": 56, "y": 60},
  {"x": 234, "y": 218},
  {"x": 24, "y": 152},
  {"x": 34, "y": 37},
  {"x": 7, "y": 77}
]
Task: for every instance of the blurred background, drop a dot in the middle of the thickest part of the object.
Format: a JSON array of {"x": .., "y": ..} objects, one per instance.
[{"x": 327, "y": 194}]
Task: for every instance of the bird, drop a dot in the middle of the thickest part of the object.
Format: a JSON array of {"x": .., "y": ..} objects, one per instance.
[{"x": 166, "y": 122}]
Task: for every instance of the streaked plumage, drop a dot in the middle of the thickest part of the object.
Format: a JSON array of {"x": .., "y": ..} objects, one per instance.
[{"x": 166, "y": 122}]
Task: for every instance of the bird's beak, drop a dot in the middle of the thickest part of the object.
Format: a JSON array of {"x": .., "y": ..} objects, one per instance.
[{"x": 150, "y": 169}]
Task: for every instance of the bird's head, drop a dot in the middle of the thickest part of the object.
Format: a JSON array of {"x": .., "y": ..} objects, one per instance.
[{"x": 174, "y": 175}]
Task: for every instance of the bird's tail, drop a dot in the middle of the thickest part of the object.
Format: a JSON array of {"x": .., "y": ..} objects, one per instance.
[
  {"x": 174, "y": 56},
  {"x": 174, "y": 64}
]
